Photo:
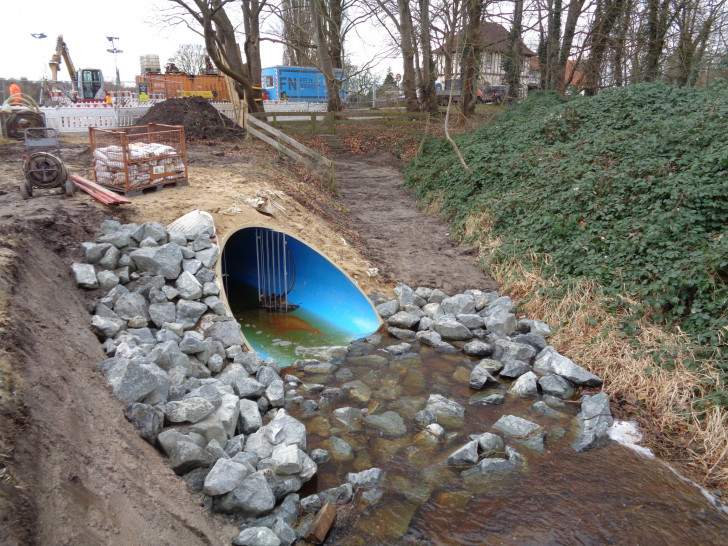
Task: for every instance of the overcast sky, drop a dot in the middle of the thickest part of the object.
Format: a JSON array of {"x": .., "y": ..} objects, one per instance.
[{"x": 85, "y": 26}]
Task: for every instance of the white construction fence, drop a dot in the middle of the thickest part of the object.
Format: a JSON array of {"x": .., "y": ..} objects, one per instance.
[{"x": 78, "y": 118}]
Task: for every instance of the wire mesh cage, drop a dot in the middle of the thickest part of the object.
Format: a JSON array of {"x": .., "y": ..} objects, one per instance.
[{"x": 130, "y": 159}]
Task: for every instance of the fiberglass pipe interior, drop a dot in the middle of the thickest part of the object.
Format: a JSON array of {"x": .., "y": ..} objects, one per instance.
[{"x": 259, "y": 260}]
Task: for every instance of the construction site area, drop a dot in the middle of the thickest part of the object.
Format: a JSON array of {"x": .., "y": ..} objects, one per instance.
[{"x": 379, "y": 389}]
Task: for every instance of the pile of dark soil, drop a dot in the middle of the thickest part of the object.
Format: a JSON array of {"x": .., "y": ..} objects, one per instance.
[{"x": 200, "y": 119}]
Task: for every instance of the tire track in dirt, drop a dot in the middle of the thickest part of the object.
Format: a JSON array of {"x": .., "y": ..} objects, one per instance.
[{"x": 407, "y": 245}]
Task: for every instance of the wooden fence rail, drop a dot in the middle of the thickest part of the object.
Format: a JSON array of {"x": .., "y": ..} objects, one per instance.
[
  {"x": 326, "y": 122},
  {"x": 278, "y": 140}
]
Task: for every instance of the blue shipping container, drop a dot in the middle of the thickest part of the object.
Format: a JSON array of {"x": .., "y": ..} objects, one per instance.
[{"x": 299, "y": 83}]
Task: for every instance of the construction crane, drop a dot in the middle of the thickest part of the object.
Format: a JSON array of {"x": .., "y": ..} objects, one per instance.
[{"x": 88, "y": 83}]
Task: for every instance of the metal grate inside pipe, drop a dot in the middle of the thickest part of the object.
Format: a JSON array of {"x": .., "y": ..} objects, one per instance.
[{"x": 276, "y": 270}]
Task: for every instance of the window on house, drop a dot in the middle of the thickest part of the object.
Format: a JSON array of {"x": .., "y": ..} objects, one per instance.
[
  {"x": 488, "y": 61},
  {"x": 269, "y": 81}
]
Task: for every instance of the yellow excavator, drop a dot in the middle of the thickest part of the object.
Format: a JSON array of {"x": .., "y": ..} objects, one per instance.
[{"x": 88, "y": 83}]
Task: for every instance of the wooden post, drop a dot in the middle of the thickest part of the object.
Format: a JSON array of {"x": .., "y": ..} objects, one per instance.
[
  {"x": 321, "y": 524},
  {"x": 332, "y": 124}
]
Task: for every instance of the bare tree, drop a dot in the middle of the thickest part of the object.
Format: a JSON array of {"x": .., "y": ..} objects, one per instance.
[
  {"x": 472, "y": 46},
  {"x": 190, "y": 59},
  {"x": 429, "y": 95},
  {"x": 513, "y": 61}
]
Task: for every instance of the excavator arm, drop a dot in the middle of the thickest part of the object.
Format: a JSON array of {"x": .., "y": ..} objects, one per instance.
[{"x": 55, "y": 62}]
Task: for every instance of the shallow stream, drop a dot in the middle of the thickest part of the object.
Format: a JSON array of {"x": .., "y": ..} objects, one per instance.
[{"x": 607, "y": 496}]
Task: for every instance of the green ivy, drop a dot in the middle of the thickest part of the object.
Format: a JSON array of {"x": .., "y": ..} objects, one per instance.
[{"x": 628, "y": 188}]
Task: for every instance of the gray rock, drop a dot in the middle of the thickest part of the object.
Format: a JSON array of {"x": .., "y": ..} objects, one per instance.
[
  {"x": 489, "y": 442},
  {"x": 107, "y": 280},
  {"x": 348, "y": 417},
  {"x": 93, "y": 252},
  {"x": 85, "y": 275},
  {"x": 373, "y": 477},
  {"x": 192, "y": 266},
  {"x": 357, "y": 390},
  {"x": 248, "y": 387},
  {"x": 110, "y": 259},
  {"x": 192, "y": 342},
  {"x": 170, "y": 292},
  {"x": 266, "y": 375},
  {"x": 389, "y": 423},
  {"x": 448, "y": 412},
  {"x": 284, "y": 532},
  {"x": 480, "y": 378},
  {"x": 514, "y": 369},
  {"x": 433, "y": 310},
  {"x": 403, "y": 319},
  {"x": 526, "y": 386},
  {"x": 209, "y": 256},
  {"x": 136, "y": 380},
  {"x": 516, "y": 427},
  {"x": 214, "y": 303},
  {"x": 276, "y": 393},
  {"x": 210, "y": 289},
  {"x": 159, "y": 313},
  {"x": 250, "y": 417},
  {"x": 154, "y": 231},
  {"x": 286, "y": 460},
  {"x": 131, "y": 305},
  {"x": 460, "y": 304},
  {"x": 438, "y": 296},
  {"x": 257, "y": 536},
  {"x": 107, "y": 327},
  {"x": 428, "y": 337},
  {"x": 119, "y": 239},
  {"x": 555, "y": 385},
  {"x": 424, "y": 417},
  {"x": 253, "y": 497},
  {"x": 188, "y": 286},
  {"x": 501, "y": 322},
  {"x": 449, "y": 328},
  {"x": 147, "y": 419},
  {"x": 541, "y": 408},
  {"x": 594, "y": 422},
  {"x": 201, "y": 242},
  {"x": 164, "y": 260},
  {"x": 503, "y": 302},
  {"x": 340, "y": 449},
  {"x": 320, "y": 456},
  {"x": 337, "y": 495},
  {"x": 405, "y": 295},
  {"x": 402, "y": 333},
  {"x": 488, "y": 466},
  {"x": 491, "y": 366},
  {"x": 189, "y": 312},
  {"x": 225, "y": 476},
  {"x": 537, "y": 342},
  {"x": 471, "y": 321},
  {"x": 550, "y": 362},
  {"x": 478, "y": 348},
  {"x": 399, "y": 349},
  {"x": 465, "y": 455},
  {"x": 283, "y": 429},
  {"x": 191, "y": 410},
  {"x": 183, "y": 452},
  {"x": 536, "y": 327},
  {"x": 205, "y": 275},
  {"x": 388, "y": 309},
  {"x": 506, "y": 349},
  {"x": 311, "y": 504},
  {"x": 227, "y": 332}
]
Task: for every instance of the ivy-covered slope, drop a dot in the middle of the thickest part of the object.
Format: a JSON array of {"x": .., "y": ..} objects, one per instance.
[{"x": 629, "y": 188}]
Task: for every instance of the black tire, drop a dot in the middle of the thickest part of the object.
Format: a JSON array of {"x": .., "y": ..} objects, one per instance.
[
  {"x": 26, "y": 190},
  {"x": 69, "y": 187}
]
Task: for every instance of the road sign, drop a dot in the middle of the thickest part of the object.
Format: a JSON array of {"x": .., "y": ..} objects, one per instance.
[{"x": 398, "y": 77}]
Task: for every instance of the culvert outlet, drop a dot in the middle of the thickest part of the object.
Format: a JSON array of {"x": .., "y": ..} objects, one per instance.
[{"x": 289, "y": 299}]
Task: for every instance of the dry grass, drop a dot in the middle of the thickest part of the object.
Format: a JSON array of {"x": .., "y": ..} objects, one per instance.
[{"x": 661, "y": 400}]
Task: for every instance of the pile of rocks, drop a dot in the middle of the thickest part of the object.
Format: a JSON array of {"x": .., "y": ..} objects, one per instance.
[
  {"x": 484, "y": 325},
  {"x": 190, "y": 387}
]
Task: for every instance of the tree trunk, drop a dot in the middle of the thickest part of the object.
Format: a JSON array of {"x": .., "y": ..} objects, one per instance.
[
  {"x": 604, "y": 21},
  {"x": 429, "y": 95},
  {"x": 472, "y": 52},
  {"x": 251, "y": 21},
  {"x": 572, "y": 17},
  {"x": 514, "y": 54},
  {"x": 327, "y": 67},
  {"x": 553, "y": 44},
  {"x": 658, "y": 22},
  {"x": 408, "y": 55}
]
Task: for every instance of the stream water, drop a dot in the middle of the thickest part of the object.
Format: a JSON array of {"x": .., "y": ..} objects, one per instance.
[{"x": 607, "y": 496}]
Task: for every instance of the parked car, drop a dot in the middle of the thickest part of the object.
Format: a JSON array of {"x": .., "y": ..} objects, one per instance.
[{"x": 495, "y": 94}]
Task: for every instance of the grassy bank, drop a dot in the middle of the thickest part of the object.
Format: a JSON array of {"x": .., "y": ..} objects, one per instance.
[{"x": 606, "y": 216}]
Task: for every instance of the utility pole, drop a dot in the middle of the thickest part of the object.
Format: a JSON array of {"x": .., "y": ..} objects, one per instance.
[{"x": 115, "y": 50}]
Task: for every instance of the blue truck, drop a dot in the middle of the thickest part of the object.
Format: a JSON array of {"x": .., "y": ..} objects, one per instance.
[{"x": 299, "y": 84}]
